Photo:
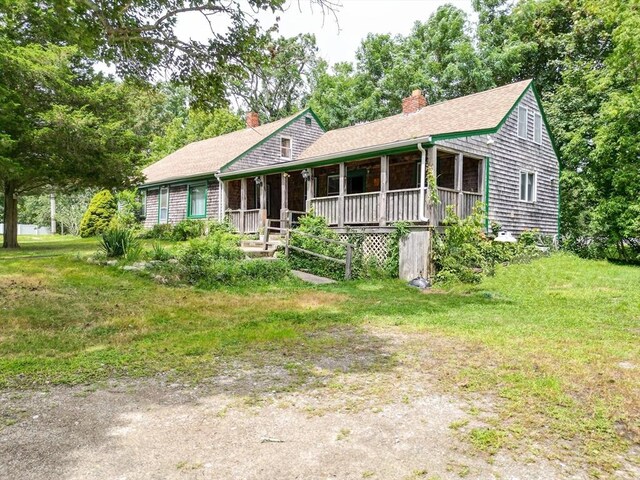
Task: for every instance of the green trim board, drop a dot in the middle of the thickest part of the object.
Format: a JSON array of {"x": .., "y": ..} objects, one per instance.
[
  {"x": 487, "y": 162},
  {"x": 178, "y": 182},
  {"x": 206, "y": 195},
  {"x": 302, "y": 113}
]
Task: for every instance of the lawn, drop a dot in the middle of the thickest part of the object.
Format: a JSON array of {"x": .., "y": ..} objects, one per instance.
[{"x": 555, "y": 342}]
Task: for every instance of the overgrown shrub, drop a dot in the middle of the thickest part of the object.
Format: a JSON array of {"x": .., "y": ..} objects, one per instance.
[
  {"x": 99, "y": 215},
  {"x": 127, "y": 207},
  {"x": 316, "y": 226},
  {"x": 188, "y": 229},
  {"x": 464, "y": 253},
  {"x": 160, "y": 253},
  {"x": 234, "y": 272},
  {"x": 200, "y": 254},
  {"x": 400, "y": 231},
  {"x": 117, "y": 242},
  {"x": 160, "y": 231}
]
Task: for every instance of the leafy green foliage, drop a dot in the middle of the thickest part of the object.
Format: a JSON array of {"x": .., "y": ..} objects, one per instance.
[
  {"x": 118, "y": 241},
  {"x": 160, "y": 253},
  {"x": 400, "y": 231},
  {"x": 160, "y": 231},
  {"x": 188, "y": 228},
  {"x": 101, "y": 212},
  {"x": 463, "y": 253},
  {"x": 194, "y": 126},
  {"x": 317, "y": 226},
  {"x": 128, "y": 207}
]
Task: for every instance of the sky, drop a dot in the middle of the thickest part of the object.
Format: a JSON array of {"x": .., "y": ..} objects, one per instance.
[{"x": 338, "y": 41}]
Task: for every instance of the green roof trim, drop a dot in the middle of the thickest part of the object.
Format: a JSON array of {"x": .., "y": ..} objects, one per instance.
[{"x": 306, "y": 111}]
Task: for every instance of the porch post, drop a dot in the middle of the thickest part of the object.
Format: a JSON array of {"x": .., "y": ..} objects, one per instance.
[
  {"x": 384, "y": 186},
  {"x": 284, "y": 199},
  {"x": 263, "y": 201},
  {"x": 432, "y": 166},
  {"x": 310, "y": 190},
  {"x": 458, "y": 177},
  {"x": 223, "y": 200},
  {"x": 243, "y": 203},
  {"x": 341, "y": 194}
]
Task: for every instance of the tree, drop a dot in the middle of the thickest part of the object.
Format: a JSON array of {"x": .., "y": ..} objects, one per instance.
[
  {"x": 102, "y": 210},
  {"x": 62, "y": 126},
  {"x": 139, "y": 36},
  {"x": 278, "y": 82},
  {"x": 197, "y": 125},
  {"x": 70, "y": 209}
]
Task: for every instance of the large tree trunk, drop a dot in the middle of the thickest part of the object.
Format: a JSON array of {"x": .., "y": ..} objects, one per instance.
[{"x": 10, "y": 217}]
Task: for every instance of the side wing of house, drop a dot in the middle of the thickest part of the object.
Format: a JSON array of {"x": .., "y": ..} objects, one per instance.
[
  {"x": 523, "y": 169},
  {"x": 283, "y": 146},
  {"x": 174, "y": 202}
]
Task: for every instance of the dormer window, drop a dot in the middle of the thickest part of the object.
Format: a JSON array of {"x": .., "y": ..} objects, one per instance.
[{"x": 285, "y": 147}]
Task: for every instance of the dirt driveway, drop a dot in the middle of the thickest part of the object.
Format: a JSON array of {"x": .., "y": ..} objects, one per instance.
[{"x": 376, "y": 412}]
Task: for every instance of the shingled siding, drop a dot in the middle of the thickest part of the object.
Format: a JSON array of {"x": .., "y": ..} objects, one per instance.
[
  {"x": 509, "y": 156},
  {"x": 213, "y": 199},
  {"x": 178, "y": 203},
  {"x": 152, "y": 208},
  {"x": 268, "y": 153}
]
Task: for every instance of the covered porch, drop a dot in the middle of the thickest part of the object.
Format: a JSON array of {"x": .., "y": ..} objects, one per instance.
[{"x": 373, "y": 192}]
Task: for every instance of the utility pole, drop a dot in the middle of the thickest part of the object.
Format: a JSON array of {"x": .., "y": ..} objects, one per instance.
[{"x": 52, "y": 199}]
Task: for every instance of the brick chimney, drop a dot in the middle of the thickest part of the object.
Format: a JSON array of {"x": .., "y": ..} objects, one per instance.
[
  {"x": 413, "y": 103},
  {"x": 253, "y": 120}
]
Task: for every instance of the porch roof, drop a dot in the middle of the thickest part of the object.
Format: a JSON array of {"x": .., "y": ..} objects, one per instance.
[
  {"x": 476, "y": 113},
  {"x": 210, "y": 155}
]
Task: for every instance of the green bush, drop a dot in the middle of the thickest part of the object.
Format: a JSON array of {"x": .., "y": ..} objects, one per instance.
[
  {"x": 117, "y": 242},
  {"x": 98, "y": 217},
  {"x": 317, "y": 226},
  {"x": 160, "y": 253},
  {"x": 160, "y": 231},
  {"x": 197, "y": 257},
  {"x": 463, "y": 252},
  {"x": 127, "y": 207},
  {"x": 188, "y": 229}
]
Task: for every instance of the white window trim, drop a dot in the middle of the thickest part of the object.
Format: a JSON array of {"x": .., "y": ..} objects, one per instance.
[
  {"x": 143, "y": 203},
  {"x": 526, "y": 122},
  {"x": 290, "y": 157},
  {"x": 534, "y": 196},
  {"x": 160, "y": 205},
  {"x": 537, "y": 127}
]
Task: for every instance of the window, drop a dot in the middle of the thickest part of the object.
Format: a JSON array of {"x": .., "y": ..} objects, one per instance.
[
  {"x": 197, "y": 207},
  {"x": 163, "y": 205},
  {"x": 333, "y": 185},
  {"x": 537, "y": 128},
  {"x": 356, "y": 181},
  {"x": 285, "y": 147},
  {"x": 143, "y": 203},
  {"x": 523, "y": 128},
  {"x": 527, "y": 187},
  {"x": 307, "y": 121}
]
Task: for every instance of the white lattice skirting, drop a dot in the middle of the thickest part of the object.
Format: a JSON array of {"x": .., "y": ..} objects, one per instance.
[{"x": 374, "y": 245}]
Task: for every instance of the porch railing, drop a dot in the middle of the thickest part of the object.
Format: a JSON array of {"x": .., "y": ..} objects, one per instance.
[
  {"x": 469, "y": 201},
  {"x": 403, "y": 205},
  {"x": 362, "y": 208},
  {"x": 245, "y": 221},
  {"x": 327, "y": 207},
  {"x": 447, "y": 197}
]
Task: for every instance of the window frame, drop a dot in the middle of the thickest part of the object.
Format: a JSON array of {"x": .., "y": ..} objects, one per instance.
[
  {"x": 282, "y": 138},
  {"x": 537, "y": 128},
  {"x": 526, "y": 121},
  {"x": 143, "y": 203},
  {"x": 329, "y": 177},
  {"x": 534, "y": 192},
  {"x": 166, "y": 220},
  {"x": 190, "y": 213}
]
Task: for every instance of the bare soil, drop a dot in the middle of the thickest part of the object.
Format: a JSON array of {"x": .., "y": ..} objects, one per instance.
[{"x": 379, "y": 411}]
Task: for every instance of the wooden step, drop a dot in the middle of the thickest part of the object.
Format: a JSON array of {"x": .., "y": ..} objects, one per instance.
[{"x": 258, "y": 252}]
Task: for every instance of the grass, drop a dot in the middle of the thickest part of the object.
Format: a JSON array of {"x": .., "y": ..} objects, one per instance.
[{"x": 555, "y": 343}]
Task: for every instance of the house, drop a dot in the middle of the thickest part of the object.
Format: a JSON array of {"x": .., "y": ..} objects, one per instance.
[{"x": 492, "y": 147}]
